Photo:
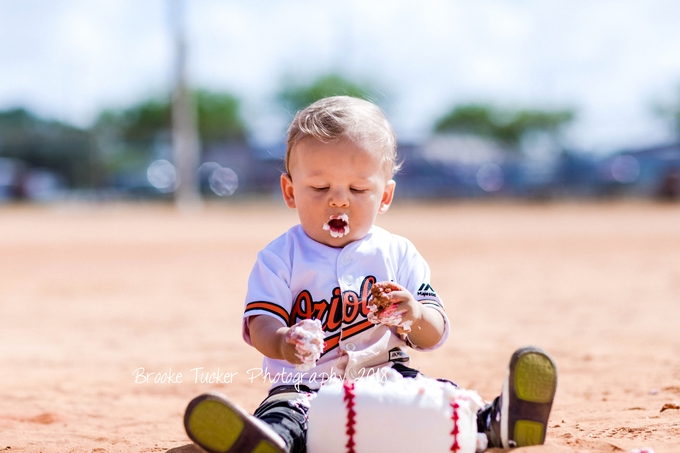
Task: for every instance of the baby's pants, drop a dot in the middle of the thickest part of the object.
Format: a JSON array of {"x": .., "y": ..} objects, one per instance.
[{"x": 285, "y": 410}]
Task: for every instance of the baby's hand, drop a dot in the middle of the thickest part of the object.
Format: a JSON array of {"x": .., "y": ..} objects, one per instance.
[
  {"x": 307, "y": 338},
  {"x": 288, "y": 350},
  {"x": 392, "y": 304}
]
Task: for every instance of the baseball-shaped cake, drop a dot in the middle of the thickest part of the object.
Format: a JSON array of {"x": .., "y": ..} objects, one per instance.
[{"x": 388, "y": 413}]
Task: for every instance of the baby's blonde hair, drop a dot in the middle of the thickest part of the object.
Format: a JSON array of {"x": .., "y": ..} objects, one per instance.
[{"x": 344, "y": 117}]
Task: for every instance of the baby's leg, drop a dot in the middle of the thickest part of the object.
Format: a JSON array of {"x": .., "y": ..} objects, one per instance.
[
  {"x": 285, "y": 410},
  {"x": 219, "y": 426}
]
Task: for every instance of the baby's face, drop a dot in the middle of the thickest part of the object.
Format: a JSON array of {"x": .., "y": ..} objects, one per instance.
[{"x": 337, "y": 188}]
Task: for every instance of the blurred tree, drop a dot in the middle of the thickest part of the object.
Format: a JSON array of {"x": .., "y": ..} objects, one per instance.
[
  {"x": 296, "y": 97},
  {"x": 141, "y": 123},
  {"x": 127, "y": 137},
  {"x": 130, "y": 138},
  {"x": 219, "y": 119},
  {"x": 506, "y": 127},
  {"x": 64, "y": 149}
]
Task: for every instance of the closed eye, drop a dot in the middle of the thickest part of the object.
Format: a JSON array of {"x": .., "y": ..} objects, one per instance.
[
  {"x": 358, "y": 190},
  {"x": 319, "y": 189}
]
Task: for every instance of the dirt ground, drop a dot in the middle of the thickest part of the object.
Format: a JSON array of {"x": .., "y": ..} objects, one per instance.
[{"x": 94, "y": 298}]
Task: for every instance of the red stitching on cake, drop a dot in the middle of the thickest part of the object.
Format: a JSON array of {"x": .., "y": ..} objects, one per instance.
[
  {"x": 454, "y": 432},
  {"x": 349, "y": 400}
]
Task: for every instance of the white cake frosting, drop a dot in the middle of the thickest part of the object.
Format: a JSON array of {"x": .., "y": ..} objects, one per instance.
[
  {"x": 388, "y": 413},
  {"x": 308, "y": 338}
]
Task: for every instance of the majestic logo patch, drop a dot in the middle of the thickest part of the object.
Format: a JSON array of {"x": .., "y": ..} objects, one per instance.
[
  {"x": 397, "y": 355},
  {"x": 426, "y": 290}
]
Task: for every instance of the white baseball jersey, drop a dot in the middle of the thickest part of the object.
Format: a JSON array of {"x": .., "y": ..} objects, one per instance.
[{"x": 297, "y": 278}]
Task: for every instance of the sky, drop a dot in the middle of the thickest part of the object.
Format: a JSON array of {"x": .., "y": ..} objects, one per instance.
[{"x": 609, "y": 60}]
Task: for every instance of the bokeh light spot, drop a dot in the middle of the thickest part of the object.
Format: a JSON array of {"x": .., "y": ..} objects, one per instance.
[
  {"x": 223, "y": 181},
  {"x": 490, "y": 177},
  {"x": 162, "y": 175},
  {"x": 625, "y": 169}
]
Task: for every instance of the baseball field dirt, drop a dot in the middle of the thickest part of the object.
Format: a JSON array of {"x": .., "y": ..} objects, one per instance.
[{"x": 114, "y": 316}]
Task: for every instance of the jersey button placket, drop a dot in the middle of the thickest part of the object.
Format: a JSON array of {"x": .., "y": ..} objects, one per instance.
[
  {"x": 345, "y": 259},
  {"x": 347, "y": 280},
  {"x": 346, "y": 283}
]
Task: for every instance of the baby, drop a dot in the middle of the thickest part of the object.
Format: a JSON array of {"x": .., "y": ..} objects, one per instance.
[{"x": 340, "y": 159}]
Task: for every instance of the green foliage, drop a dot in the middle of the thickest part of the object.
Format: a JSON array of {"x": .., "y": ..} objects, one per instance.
[
  {"x": 126, "y": 158},
  {"x": 472, "y": 119},
  {"x": 296, "y": 97},
  {"x": 139, "y": 123},
  {"x": 218, "y": 116},
  {"x": 50, "y": 144},
  {"x": 504, "y": 126}
]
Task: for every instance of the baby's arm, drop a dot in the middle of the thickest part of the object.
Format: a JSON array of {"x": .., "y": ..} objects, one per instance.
[
  {"x": 268, "y": 336},
  {"x": 428, "y": 325}
]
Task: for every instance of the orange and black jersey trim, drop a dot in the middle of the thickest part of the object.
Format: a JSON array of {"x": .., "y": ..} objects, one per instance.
[{"x": 274, "y": 309}]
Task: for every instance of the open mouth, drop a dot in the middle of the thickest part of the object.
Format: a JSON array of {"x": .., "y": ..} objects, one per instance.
[{"x": 337, "y": 225}]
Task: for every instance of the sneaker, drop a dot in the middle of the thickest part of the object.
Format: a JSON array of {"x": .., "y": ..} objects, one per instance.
[
  {"x": 519, "y": 417},
  {"x": 218, "y": 426}
]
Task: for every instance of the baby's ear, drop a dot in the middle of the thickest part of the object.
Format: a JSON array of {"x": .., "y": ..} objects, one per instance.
[
  {"x": 287, "y": 190},
  {"x": 387, "y": 197}
]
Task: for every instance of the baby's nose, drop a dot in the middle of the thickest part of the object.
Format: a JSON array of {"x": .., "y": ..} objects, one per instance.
[{"x": 339, "y": 200}]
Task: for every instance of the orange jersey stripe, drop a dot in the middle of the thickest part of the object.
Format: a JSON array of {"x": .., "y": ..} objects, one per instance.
[
  {"x": 270, "y": 307},
  {"x": 357, "y": 328},
  {"x": 331, "y": 343}
]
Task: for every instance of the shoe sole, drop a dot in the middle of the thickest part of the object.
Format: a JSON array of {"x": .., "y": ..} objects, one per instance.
[
  {"x": 528, "y": 393},
  {"x": 217, "y": 426}
]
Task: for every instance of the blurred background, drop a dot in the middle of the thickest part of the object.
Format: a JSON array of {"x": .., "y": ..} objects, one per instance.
[{"x": 190, "y": 99}]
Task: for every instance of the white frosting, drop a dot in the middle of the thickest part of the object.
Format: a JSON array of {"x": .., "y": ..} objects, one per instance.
[
  {"x": 390, "y": 316},
  {"x": 337, "y": 233},
  {"x": 308, "y": 338}
]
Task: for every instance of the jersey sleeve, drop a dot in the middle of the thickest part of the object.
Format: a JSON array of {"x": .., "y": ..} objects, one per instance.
[
  {"x": 269, "y": 292},
  {"x": 414, "y": 275}
]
